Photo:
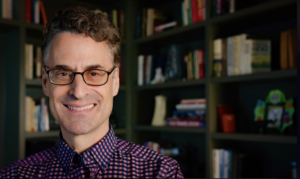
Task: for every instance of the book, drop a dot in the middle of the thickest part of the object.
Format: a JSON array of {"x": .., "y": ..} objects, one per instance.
[
  {"x": 140, "y": 70},
  {"x": 242, "y": 59},
  {"x": 174, "y": 122},
  {"x": 165, "y": 26},
  {"x": 37, "y": 12},
  {"x": 189, "y": 114},
  {"x": 43, "y": 13},
  {"x": 185, "y": 12},
  {"x": 201, "y": 64},
  {"x": 139, "y": 24},
  {"x": 236, "y": 46},
  {"x": 284, "y": 50},
  {"x": 217, "y": 57},
  {"x": 193, "y": 101},
  {"x": 1, "y": 16},
  {"x": 194, "y": 7},
  {"x": 216, "y": 163},
  {"x": 38, "y": 63},
  {"x": 230, "y": 56},
  {"x": 224, "y": 56},
  {"x": 260, "y": 55},
  {"x": 190, "y": 106}
]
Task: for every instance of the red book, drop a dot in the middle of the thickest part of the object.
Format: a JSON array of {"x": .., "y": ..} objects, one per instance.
[
  {"x": 28, "y": 10},
  {"x": 43, "y": 13},
  {"x": 200, "y": 10},
  {"x": 194, "y": 11},
  {"x": 201, "y": 64}
]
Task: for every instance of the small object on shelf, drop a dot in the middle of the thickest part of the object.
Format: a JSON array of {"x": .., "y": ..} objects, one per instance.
[
  {"x": 159, "y": 111},
  {"x": 228, "y": 123},
  {"x": 159, "y": 77},
  {"x": 275, "y": 114},
  {"x": 288, "y": 49},
  {"x": 294, "y": 169},
  {"x": 223, "y": 109}
]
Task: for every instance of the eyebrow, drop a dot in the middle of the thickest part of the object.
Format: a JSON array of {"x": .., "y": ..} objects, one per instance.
[{"x": 90, "y": 67}]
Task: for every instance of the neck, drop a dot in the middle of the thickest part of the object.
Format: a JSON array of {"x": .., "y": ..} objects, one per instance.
[{"x": 83, "y": 142}]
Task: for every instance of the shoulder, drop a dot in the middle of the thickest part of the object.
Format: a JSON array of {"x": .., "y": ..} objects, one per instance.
[
  {"x": 28, "y": 165},
  {"x": 166, "y": 166}
]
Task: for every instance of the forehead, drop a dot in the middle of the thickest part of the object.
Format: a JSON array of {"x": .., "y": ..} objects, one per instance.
[{"x": 77, "y": 50}]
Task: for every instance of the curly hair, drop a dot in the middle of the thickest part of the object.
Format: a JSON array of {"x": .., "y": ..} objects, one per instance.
[{"x": 83, "y": 21}]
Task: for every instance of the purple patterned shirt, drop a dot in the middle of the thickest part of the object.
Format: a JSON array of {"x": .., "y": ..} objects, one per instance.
[{"x": 110, "y": 158}]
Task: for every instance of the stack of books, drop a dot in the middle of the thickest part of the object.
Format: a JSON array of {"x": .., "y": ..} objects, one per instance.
[
  {"x": 36, "y": 115},
  {"x": 194, "y": 62},
  {"x": 189, "y": 113},
  {"x": 193, "y": 11},
  {"x": 6, "y": 9},
  {"x": 33, "y": 62},
  {"x": 233, "y": 164},
  {"x": 237, "y": 55},
  {"x": 220, "y": 7},
  {"x": 35, "y": 12}
]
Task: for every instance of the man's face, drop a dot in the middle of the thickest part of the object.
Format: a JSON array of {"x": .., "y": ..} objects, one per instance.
[{"x": 78, "y": 53}]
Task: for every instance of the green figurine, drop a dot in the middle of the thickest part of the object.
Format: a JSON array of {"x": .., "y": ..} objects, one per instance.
[{"x": 274, "y": 113}]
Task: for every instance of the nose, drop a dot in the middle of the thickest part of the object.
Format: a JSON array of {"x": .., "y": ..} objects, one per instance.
[{"x": 78, "y": 88}]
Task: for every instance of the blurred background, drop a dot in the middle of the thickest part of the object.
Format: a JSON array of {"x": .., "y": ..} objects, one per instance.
[{"x": 210, "y": 83}]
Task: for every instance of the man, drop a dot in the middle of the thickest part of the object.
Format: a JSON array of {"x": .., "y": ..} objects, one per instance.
[{"x": 81, "y": 76}]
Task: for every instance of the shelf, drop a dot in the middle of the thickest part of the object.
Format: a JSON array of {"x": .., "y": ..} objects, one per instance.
[
  {"x": 35, "y": 82},
  {"x": 247, "y": 12},
  {"x": 33, "y": 26},
  {"x": 171, "y": 32},
  {"x": 169, "y": 129},
  {"x": 31, "y": 135},
  {"x": 9, "y": 22},
  {"x": 274, "y": 75},
  {"x": 171, "y": 85},
  {"x": 256, "y": 138}
]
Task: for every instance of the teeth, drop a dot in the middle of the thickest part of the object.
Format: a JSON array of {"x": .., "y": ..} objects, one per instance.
[{"x": 82, "y": 108}]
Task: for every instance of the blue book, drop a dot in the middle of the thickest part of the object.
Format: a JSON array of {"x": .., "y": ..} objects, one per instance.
[
  {"x": 221, "y": 163},
  {"x": 229, "y": 164},
  {"x": 32, "y": 11}
]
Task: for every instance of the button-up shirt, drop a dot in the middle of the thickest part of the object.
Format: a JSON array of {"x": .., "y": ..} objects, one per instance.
[{"x": 109, "y": 158}]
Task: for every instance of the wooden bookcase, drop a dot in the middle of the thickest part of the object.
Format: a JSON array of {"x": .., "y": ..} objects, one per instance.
[
  {"x": 268, "y": 19},
  {"x": 135, "y": 104},
  {"x": 14, "y": 87}
]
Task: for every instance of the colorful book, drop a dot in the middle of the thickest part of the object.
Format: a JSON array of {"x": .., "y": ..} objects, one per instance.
[
  {"x": 43, "y": 12},
  {"x": 173, "y": 122},
  {"x": 190, "y": 106}
]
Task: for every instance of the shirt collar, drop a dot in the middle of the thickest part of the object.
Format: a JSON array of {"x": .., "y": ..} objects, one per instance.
[{"x": 102, "y": 151}]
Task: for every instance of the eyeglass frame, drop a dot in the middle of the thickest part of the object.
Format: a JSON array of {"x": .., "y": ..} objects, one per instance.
[{"x": 81, "y": 73}]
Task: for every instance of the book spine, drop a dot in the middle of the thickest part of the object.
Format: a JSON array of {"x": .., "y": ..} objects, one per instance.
[
  {"x": 139, "y": 24},
  {"x": 1, "y": 16},
  {"x": 216, "y": 163},
  {"x": 224, "y": 56},
  {"x": 150, "y": 21},
  {"x": 248, "y": 49},
  {"x": 204, "y": 9},
  {"x": 27, "y": 114},
  {"x": 226, "y": 164},
  {"x": 229, "y": 56},
  {"x": 28, "y": 10},
  {"x": 37, "y": 12},
  {"x": 4, "y": 9},
  {"x": 9, "y": 9},
  {"x": 200, "y": 10},
  {"x": 232, "y": 6},
  {"x": 284, "y": 50},
  {"x": 194, "y": 11},
  {"x": 190, "y": 66},
  {"x": 140, "y": 69},
  {"x": 184, "y": 123},
  {"x": 221, "y": 163},
  {"x": 229, "y": 164},
  {"x": 201, "y": 64},
  {"x": 43, "y": 13},
  {"x": 292, "y": 47},
  {"x": 242, "y": 39},
  {"x": 144, "y": 22},
  {"x": 185, "y": 12},
  {"x": 30, "y": 57},
  {"x": 190, "y": 107},
  {"x": 33, "y": 11},
  {"x": 149, "y": 68},
  {"x": 189, "y": 12},
  {"x": 38, "y": 69},
  {"x": 236, "y": 55}
]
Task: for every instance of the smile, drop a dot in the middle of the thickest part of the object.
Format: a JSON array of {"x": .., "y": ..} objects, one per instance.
[{"x": 80, "y": 108}]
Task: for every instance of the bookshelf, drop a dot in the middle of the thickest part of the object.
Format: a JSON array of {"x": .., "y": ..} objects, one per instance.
[
  {"x": 241, "y": 91},
  {"x": 14, "y": 33},
  {"x": 134, "y": 104}
]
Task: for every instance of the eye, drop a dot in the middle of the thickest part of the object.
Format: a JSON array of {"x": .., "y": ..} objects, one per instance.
[
  {"x": 94, "y": 74},
  {"x": 63, "y": 74}
]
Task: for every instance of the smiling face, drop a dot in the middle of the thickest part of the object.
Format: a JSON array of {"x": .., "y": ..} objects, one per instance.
[{"x": 80, "y": 108}]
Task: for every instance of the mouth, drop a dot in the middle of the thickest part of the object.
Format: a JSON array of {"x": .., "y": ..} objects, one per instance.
[{"x": 83, "y": 108}]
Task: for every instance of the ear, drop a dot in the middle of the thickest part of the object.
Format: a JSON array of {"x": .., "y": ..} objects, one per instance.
[
  {"x": 45, "y": 82},
  {"x": 116, "y": 81}
]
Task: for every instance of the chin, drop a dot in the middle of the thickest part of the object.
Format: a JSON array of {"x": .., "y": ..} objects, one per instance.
[{"x": 78, "y": 128}]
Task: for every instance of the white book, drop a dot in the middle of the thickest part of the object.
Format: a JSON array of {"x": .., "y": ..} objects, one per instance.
[
  {"x": 229, "y": 56},
  {"x": 140, "y": 69},
  {"x": 226, "y": 164},
  {"x": 37, "y": 12},
  {"x": 248, "y": 50},
  {"x": 190, "y": 106},
  {"x": 236, "y": 54},
  {"x": 243, "y": 69},
  {"x": 216, "y": 163}
]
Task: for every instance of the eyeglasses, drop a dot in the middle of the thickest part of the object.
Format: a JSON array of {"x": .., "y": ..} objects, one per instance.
[{"x": 93, "y": 77}]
